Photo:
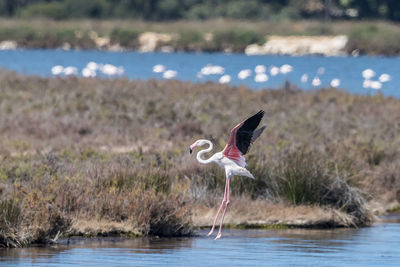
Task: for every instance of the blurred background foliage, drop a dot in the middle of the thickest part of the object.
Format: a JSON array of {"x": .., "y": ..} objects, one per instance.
[{"x": 164, "y": 10}]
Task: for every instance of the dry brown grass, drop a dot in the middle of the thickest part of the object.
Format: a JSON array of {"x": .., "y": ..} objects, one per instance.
[
  {"x": 247, "y": 212},
  {"x": 116, "y": 151}
]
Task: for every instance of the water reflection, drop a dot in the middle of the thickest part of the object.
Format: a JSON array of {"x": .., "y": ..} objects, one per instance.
[
  {"x": 376, "y": 245},
  {"x": 137, "y": 245}
]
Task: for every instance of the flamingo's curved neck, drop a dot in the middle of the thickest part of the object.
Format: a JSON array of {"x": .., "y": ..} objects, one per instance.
[{"x": 201, "y": 152}]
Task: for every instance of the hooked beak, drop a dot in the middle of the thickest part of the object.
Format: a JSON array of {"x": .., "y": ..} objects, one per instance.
[{"x": 191, "y": 148}]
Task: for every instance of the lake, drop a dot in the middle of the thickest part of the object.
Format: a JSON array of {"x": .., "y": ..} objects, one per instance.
[
  {"x": 140, "y": 65},
  {"x": 373, "y": 246}
]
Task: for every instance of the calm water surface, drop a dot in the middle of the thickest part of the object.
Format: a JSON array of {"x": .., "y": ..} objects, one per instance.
[
  {"x": 139, "y": 66},
  {"x": 373, "y": 246}
]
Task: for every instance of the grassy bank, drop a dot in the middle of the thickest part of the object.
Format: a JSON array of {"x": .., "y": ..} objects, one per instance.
[
  {"x": 375, "y": 37},
  {"x": 98, "y": 157}
]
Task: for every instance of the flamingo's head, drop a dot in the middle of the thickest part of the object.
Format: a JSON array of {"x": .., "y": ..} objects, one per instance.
[{"x": 199, "y": 142}]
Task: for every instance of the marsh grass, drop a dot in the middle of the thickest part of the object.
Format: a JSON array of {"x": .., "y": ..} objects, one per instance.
[
  {"x": 116, "y": 151},
  {"x": 10, "y": 221},
  {"x": 59, "y": 190}
]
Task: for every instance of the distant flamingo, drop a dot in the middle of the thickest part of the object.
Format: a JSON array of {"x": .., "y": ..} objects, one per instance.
[
  {"x": 231, "y": 158},
  {"x": 225, "y": 79}
]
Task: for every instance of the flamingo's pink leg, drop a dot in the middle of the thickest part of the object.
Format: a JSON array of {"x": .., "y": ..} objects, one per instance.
[
  {"x": 226, "y": 207},
  {"x": 219, "y": 210}
]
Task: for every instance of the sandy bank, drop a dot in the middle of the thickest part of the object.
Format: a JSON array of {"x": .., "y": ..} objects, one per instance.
[
  {"x": 242, "y": 213},
  {"x": 300, "y": 45}
]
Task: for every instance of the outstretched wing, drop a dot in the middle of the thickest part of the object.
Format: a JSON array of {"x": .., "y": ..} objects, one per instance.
[{"x": 241, "y": 138}]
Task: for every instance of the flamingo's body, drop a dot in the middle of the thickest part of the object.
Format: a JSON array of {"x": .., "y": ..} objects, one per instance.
[{"x": 231, "y": 158}]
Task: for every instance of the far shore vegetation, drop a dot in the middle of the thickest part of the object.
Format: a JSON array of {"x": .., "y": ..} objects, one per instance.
[
  {"x": 98, "y": 157},
  {"x": 215, "y": 35}
]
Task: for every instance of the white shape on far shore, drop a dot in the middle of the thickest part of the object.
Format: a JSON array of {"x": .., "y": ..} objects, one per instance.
[
  {"x": 368, "y": 74},
  {"x": 304, "y": 78},
  {"x": 335, "y": 82},
  {"x": 260, "y": 69},
  {"x": 316, "y": 81},
  {"x": 225, "y": 79},
  {"x": 384, "y": 78},
  {"x": 244, "y": 74},
  {"x": 57, "y": 70},
  {"x": 158, "y": 68},
  {"x": 261, "y": 77},
  {"x": 274, "y": 71},
  {"x": 286, "y": 68},
  {"x": 169, "y": 74}
]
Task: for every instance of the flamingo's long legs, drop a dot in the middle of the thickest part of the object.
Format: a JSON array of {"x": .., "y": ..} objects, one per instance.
[
  {"x": 226, "y": 207},
  {"x": 220, "y": 208}
]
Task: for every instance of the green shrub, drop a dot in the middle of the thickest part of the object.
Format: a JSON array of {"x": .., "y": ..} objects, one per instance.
[
  {"x": 190, "y": 40},
  {"x": 374, "y": 39},
  {"x": 53, "y": 10},
  {"x": 237, "y": 39},
  {"x": 124, "y": 37}
]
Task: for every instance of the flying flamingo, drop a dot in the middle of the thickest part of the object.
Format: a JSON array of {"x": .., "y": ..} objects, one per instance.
[{"x": 231, "y": 158}]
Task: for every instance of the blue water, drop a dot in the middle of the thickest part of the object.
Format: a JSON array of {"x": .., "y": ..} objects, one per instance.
[
  {"x": 139, "y": 66},
  {"x": 373, "y": 246}
]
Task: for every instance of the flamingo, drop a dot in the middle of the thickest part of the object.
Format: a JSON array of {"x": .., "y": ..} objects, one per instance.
[
  {"x": 285, "y": 68},
  {"x": 169, "y": 74},
  {"x": 304, "y": 78},
  {"x": 368, "y": 74},
  {"x": 158, "y": 68},
  {"x": 260, "y": 69},
  {"x": 335, "y": 83},
  {"x": 57, "y": 70},
  {"x": 261, "y": 77},
  {"x": 384, "y": 78},
  {"x": 316, "y": 81},
  {"x": 274, "y": 71},
  {"x": 225, "y": 79},
  {"x": 244, "y": 74},
  {"x": 231, "y": 158}
]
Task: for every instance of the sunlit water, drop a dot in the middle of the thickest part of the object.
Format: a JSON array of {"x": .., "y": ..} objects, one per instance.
[
  {"x": 373, "y": 246},
  {"x": 188, "y": 65}
]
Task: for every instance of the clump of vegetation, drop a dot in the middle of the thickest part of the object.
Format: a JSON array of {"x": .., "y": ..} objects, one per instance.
[
  {"x": 11, "y": 234},
  {"x": 190, "y": 40},
  {"x": 47, "y": 192},
  {"x": 374, "y": 39},
  {"x": 236, "y": 40},
  {"x": 310, "y": 178},
  {"x": 125, "y": 37}
]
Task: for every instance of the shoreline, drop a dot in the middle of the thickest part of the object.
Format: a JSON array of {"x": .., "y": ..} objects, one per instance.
[
  {"x": 305, "y": 37},
  {"x": 327, "y": 46}
]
